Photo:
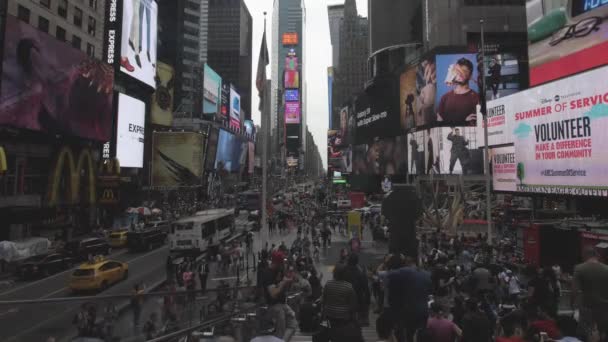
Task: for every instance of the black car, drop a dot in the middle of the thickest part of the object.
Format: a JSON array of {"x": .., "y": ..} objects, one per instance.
[
  {"x": 44, "y": 265},
  {"x": 82, "y": 249},
  {"x": 145, "y": 240}
]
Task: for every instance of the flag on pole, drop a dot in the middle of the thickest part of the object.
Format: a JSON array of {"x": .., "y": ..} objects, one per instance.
[{"x": 263, "y": 61}]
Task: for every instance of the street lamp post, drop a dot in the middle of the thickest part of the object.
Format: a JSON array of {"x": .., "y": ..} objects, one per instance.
[{"x": 485, "y": 134}]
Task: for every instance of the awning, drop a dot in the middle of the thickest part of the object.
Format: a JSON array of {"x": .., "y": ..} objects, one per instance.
[{"x": 602, "y": 245}]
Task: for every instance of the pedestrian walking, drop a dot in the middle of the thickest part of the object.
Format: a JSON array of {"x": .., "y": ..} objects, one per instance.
[{"x": 203, "y": 274}]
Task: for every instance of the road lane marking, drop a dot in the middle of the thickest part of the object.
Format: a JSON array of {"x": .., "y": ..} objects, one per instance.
[
  {"x": 127, "y": 262},
  {"x": 60, "y": 315},
  {"x": 52, "y": 277}
]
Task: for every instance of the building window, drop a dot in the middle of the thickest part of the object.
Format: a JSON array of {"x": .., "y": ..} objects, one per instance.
[
  {"x": 90, "y": 50},
  {"x": 77, "y": 17},
  {"x": 23, "y": 14},
  {"x": 93, "y": 4},
  {"x": 46, "y": 3},
  {"x": 76, "y": 41},
  {"x": 92, "y": 25},
  {"x": 60, "y": 33},
  {"x": 62, "y": 8},
  {"x": 43, "y": 24}
]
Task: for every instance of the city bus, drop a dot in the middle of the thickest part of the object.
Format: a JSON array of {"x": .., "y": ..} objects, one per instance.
[{"x": 206, "y": 229}]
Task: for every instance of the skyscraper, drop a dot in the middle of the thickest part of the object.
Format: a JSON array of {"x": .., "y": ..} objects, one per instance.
[
  {"x": 286, "y": 18},
  {"x": 351, "y": 74},
  {"x": 230, "y": 46},
  {"x": 335, "y": 14},
  {"x": 182, "y": 43}
]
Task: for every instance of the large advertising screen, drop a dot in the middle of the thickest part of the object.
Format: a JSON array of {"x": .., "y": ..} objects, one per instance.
[
  {"x": 212, "y": 141},
  {"x": 416, "y": 154},
  {"x": 499, "y": 126},
  {"x": 505, "y": 64},
  {"x": 292, "y": 95},
  {"x": 292, "y": 112},
  {"x": 565, "y": 37},
  {"x": 225, "y": 105},
  {"x": 212, "y": 91},
  {"x": 292, "y": 79},
  {"x": 130, "y": 131},
  {"x": 177, "y": 159},
  {"x": 290, "y": 38},
  {"x": 560, "y": 136},
  {"x": 377, "y": 116},
  {"x": 386, "y": 156},
  {"x": 235, "y": 109},
  {"x": 453, "y": 150},
  {"x": 504, "y": 169},
  {"x": 457, "y": 89},
  {"x": 445, "y": 150},
  {"x": 231, "y": 152},
  {"x": 426, "y": 88},
  {"x": 407, "y": 97},
  {"x": 291, "y": 63},
  {"x": 138, "y": 40},
  {"x": 51, "y": 87},
  {"x": 162, "y": 101}
]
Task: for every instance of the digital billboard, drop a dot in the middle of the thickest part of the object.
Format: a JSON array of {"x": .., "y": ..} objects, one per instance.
[
  {"x": 292, "y": 95},
  {"x": 407, "y": 97},
  {"x": 453, "y": 150},
  {"x": 499, "y": 126},
  {"x": 376, "y": 116},
  {"x": 235, "y": 109},
  {"x": 177, "y": 158},
  {"x": 231, "y": 152},
  {"x": 504, "y": 168},
  {"x": 383, "y": 156},
  {"x": 212, "y": 141},
  {"x": 559, "y": 131},
  {"x": 292, "y": 112},
  {"x": 416, "y": 153},
  {"x": 162, "y": 101},
  {"x": 291, "y": 63},
  {"x": 138, "y": 40},
  {"x": 292, "y": 79},
  {"x": 212, "y": 92},
  {"x": 565, "y": 38},
  {"x": 505, "y": 63},
  {"x": 290, "y": 38},
  {"x": 51, "y": 87},
  {"x": 457, "y": 89},
  {"x": 426, "y": 88},
  {"x": 339, "y": 154},
  {"x": 225, "y": 105},
  {"x": 249, "y": 127},
  {"x": 130, "y": 131}
]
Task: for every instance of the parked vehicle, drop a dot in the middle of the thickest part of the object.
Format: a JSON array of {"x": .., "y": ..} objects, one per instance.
[
  {"x": 44, "y": 265},
  {"x": 145, "y": 240},
  {"x": 98, "y": 274},
  {"x": 118, "y": 238},
  {"x": 85, "y": 248}
]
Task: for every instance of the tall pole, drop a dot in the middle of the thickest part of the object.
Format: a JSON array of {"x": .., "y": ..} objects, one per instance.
[
  {"x": 486, "y": 164},
  {"x": 266, "y": 136}
]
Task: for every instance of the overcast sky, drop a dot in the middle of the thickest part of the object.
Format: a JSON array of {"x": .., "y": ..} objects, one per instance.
[{"x": 317, "y": 59}]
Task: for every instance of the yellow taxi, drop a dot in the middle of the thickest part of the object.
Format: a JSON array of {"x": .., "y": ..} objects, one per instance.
[
  {"x": 98, "y": 274},
  {"x": 118, "y": 238}
]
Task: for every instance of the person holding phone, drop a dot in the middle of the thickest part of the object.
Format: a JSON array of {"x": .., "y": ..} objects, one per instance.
[
  {"x": 275, "y": 282},
  {"x": 459, "y": 105}
]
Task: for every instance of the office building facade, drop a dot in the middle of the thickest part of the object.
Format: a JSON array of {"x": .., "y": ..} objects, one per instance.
[
  {"x": 230, "y": 46},
  {"x": 77, "y": 22}
]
